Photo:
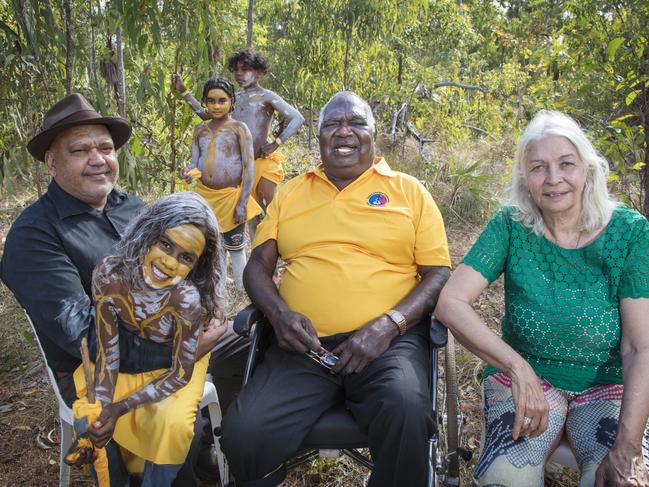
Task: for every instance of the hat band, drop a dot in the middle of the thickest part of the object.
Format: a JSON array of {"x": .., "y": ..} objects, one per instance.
[{"x": 78, "y": 115}]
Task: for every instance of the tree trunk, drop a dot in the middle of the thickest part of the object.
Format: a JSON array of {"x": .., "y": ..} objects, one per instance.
[
  {"x": 310, "y": 120},
  {"x": 121, "y": 85},
  {"x": 173, "y": 164},
  {"x": 93, "y": 59},
  {"x": 644, "y": 172},
  {"x": 213, "y": 54},
  {"x": 251, "y": 4},
  {"x": 32, "y": 130},
  {"x": 68, "y": 46},
  {"x": 400, "y": 70},
  {"x": 347, "y": 46}
]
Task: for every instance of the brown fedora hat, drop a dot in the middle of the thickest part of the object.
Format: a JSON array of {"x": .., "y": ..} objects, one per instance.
[{"x": 74, "y": 110}]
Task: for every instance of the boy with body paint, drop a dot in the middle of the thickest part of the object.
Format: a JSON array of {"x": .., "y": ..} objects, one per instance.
[
  {"x": 222, "y": 151},
  {"x": 256, "y": 107},
  {"x": 163, "y": 282}
]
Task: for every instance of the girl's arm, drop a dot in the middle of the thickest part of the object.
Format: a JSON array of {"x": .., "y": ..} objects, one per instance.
[
  {"x": 185, "y": 308},
  {"x": 248, "y": 172},
  {"x": 108, "y": 297},
  {"x": 196, "y": 154},
  {"x": 196, "y": 150},
  {"x": 196, "y": 106},
  {"x": 179, "y": 86}
]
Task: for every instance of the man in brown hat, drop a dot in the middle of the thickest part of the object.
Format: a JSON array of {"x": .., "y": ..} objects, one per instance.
[{"x": 53, "y": 246}]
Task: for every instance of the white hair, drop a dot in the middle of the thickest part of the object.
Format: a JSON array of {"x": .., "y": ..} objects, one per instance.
[
  {"x": 368, "y": 110},
  {"x": 596, "y": 203}
]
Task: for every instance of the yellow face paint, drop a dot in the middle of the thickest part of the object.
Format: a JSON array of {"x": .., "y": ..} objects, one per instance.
[
  {"x": 173, "y": 256},
  {"x": 218, "y": 103}
]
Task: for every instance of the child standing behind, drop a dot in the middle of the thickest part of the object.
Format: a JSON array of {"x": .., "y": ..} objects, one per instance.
[{"x": 222, "y": 151}]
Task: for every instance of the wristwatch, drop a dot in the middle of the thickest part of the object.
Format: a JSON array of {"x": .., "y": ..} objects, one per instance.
[{"x": 398, "y": 319}]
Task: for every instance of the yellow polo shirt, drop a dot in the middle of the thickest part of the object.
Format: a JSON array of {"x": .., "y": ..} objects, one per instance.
[{"x": 352, "y": 255}]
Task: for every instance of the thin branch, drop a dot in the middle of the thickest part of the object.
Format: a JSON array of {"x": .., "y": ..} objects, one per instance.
[
  {"x": 251, "y": 4},
  {"x": 441, "y": 84}
]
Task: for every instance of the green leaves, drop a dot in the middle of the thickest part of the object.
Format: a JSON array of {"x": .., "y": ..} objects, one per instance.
[{"x": 613, "y": 46}]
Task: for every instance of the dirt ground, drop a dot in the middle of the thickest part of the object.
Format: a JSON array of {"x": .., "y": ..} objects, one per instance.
[{"x": 29, "y": 428}]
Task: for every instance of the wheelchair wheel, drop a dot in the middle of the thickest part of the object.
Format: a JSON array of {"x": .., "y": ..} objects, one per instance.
[
  {"x": 446, "y": 458},
  {"x": 452, "y": 409}
]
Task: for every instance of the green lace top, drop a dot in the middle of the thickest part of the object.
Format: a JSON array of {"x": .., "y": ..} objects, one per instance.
[{"x": 561, "y": 305}]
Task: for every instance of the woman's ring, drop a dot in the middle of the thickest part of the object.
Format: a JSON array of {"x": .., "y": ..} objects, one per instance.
[{"x": 526, "y": 421}]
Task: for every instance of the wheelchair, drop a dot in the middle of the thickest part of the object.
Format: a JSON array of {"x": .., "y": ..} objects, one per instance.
[{"x": 336, "y": 432}]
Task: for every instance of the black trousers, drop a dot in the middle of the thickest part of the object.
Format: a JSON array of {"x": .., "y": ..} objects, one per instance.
[{"x": 288, "y": 392}]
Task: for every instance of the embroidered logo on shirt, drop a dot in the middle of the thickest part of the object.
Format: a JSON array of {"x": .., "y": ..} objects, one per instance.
[{"x": 378, "y": 199}]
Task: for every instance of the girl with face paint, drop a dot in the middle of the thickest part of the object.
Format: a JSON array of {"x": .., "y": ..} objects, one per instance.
[
  {"x": 223, "y": 163},
  {"x": 163, "y": 283}
]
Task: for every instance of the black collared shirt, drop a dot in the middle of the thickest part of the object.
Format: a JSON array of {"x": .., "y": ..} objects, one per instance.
[{"x": 50, "y": 253}]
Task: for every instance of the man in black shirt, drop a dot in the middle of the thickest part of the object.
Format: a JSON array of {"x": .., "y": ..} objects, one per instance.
[{"x": 54, "y": 245}]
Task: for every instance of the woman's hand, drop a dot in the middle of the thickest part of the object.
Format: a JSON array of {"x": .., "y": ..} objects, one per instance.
[
  {"x": 622, "y": 469},
  {"x": 532, "y": 408},
  {"x": 101, "y": 431}
]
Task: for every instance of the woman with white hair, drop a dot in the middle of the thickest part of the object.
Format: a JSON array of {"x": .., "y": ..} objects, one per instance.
[{"x": 574, "y": 350}]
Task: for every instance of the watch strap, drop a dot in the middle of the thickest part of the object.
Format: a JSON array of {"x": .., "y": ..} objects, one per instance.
[{"x": 398, "y": 319}]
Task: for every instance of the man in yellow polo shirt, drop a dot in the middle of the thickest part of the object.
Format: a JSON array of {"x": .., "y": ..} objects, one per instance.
[{"x": 366, "y": 257}]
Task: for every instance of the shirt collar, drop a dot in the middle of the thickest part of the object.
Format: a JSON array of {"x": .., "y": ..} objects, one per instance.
[
  {"x": 67, "y": 205},
  {"x": 379, "y": 165}
]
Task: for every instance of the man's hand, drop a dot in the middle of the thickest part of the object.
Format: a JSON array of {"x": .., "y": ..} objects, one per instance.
[
  {"x": 101, "y": 431},
  {"x": 622, "y": 469},
  {"x": 177, "y": 83},
  {"x": 364, "y": 345},
  {"x": 295, "y": 333},
  {"x": 240, "y": 213},
  {"x": 269, "y": 148}
]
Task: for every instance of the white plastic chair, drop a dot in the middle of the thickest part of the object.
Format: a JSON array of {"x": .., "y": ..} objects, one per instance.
[
  {"x": 65, "y": 415},
  {"x": 211, "y": 400},
  {"x": 66, "y": 418}
]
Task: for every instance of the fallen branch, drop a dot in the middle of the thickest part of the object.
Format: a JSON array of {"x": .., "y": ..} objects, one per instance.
[
  {"x": 477, "y": 129},
  {"x": 417, "y": 136},
  {"x": 395, "y": 119},
  {"x": 442, "y": 84}
]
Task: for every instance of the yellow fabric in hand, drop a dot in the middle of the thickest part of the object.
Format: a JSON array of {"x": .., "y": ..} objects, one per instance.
[
  {"x": 195, "y": 173},
  {"x": 161, "y": 431},
  {"x": 82, "y": 408}
]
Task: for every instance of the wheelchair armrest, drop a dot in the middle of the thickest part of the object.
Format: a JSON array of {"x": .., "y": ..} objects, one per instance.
[
  {"x": 245, "y": 318},
  {"x": 438, "y": 332}
]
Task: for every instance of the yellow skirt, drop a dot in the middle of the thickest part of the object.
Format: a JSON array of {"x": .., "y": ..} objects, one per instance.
[
  {"x": 269, "y": 168},
  {"x": 162, "y": 431},
  {"x": 223, "y": 202}
]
